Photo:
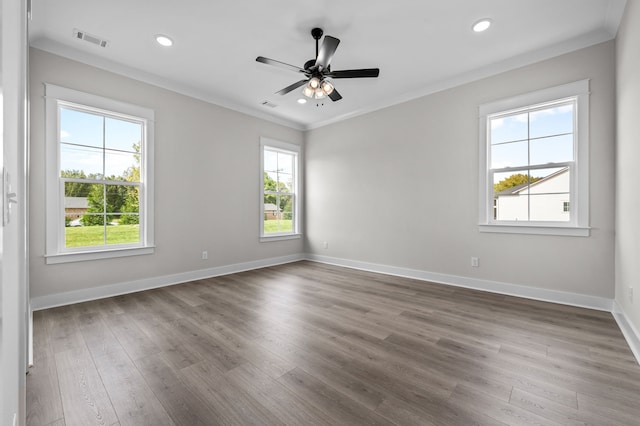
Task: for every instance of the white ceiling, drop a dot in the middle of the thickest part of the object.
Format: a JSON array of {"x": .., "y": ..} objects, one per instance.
[{"x": 420, "y": 46}]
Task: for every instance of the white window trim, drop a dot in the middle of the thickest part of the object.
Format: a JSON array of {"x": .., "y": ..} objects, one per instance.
[
  {"x": 579, "y": 225},
  {"x": 297, "y": 217},
  {"x": 55, "y": 251}
]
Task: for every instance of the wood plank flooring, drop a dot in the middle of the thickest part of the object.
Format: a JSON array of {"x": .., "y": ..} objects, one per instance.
[{"x": 313, "y": 344}]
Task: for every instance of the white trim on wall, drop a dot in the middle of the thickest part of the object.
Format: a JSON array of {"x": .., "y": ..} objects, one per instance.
[
  {"x": 545, "y": 295},
  {"x": 296, "y": 151},
  {"x": 630, "y": 333},
  {"x": 577, "y": 94},
  {"x": 85, "y": 295},
  {"x": 56, "y": 98},
  {"x": 101, "y": 62}
]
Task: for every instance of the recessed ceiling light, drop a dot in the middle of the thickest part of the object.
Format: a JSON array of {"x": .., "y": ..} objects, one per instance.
[
  {"x": 163, "y": 40},
  {"x": 302, "y": 101},
  {"x": 481, "y": 25}
]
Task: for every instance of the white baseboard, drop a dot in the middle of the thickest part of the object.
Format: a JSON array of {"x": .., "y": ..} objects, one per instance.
[
  {"x": 29, "y": 335},
  {"x": 84, "y": 295},
  {"x": 546, "y": 295},
  {"x": 631, "y": 334}
]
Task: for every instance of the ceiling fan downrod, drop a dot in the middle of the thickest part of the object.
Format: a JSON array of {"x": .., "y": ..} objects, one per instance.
[{"x": 316, "y": 33}]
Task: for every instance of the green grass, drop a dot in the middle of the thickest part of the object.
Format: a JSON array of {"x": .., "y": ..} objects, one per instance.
[
  {"x": 271, "y": 226},
  {"x": 83, "y": 236}
]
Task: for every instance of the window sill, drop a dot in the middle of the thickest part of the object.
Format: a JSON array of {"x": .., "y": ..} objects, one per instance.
[
  {"x": 96, "y": 255},
  {"x": 281, "y": 237},
  {"x": 570, "y": 231}
]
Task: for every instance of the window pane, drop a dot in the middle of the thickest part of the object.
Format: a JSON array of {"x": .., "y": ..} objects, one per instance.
[
  {"x": 540, "y": 197},
  {"x": 286, "y": 206},
  {"x": 129, "y": 219},
  {"x": 510, "y": 154},
  {"x": 270, "y": 179},
  {"x": 548, "y": 195},
  {"x": 271, "y": 213},
  {"x": 131, "y": 203},
  {"x": 122, "y": 135},
  {"x": 78, "y": 192},
  {"x": 94, "y": 214},
  {"x": 270, "y": 161},
  {"x": 551, "y": 121},
  {"x": 72, "y": 220},
  {"x": 285, "y": 182},
  {"x": 97, "y": 154},
  {"x": 285, "y": 163},
  {"x": 123, "y": 234},
  {"x": 116, "y": 198},
  {"x": 83, "y": 197},
  {"x": 508, "y": 182},
  {"x": 121, "y": 165},
  {"x": 87, "y": 161},
  {"x": 78, "y": 235},
  {"x": 80, "y": 128},
  {"x": 509, "y": 129},
  {"x": 279, "y": 171},
  {"x": 510, "y": 195},
  {"x": 552, "y": 149}
]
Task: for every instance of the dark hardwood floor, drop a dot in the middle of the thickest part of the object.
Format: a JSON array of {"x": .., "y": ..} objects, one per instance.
[{"x": 312, "y": 344}]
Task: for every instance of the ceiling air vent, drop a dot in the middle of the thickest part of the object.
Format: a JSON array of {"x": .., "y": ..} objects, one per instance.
[
  {"x": 268, "y": 104},
  {"x": 90, "y": 38}
]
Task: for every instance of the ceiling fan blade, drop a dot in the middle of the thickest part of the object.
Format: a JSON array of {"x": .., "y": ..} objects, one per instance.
[
  {"x": 334, "y": 95},
  {"x": 279, "y": 64},
  {"x": 326, "y": 52},
  {"x": 365, "y": 72},
  {"x": 294, "y": 86}
]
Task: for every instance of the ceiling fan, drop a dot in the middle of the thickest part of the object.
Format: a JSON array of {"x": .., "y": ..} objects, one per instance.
[{"x": 317, "y": 72}]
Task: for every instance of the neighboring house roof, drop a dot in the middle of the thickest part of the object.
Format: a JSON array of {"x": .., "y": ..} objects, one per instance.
[
  {"x": 514, "y": 190},
  {"x": 76, "y": 203},
  {"x": 270, "y": 207}
]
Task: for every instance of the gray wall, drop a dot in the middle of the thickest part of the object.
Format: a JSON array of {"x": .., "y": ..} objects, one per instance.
[
  {"x": 627, "y": 243},
  {"x": 399, "y": 186},
  {"x": 394, "y": 187},
  {"x": 207, "y": 182}
]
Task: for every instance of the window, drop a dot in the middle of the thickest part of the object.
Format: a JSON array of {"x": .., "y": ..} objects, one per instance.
[
  {"x": 534, "y": 162},
  {"x": 99, "y": 177},
  {"x": 280, "y": 188}
]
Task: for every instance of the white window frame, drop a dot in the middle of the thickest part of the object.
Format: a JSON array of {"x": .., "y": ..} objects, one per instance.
[
  {"x": 56, "y": 252},
  {"x": 296, "y": 150},
  {"x": 579, "y": 168}
]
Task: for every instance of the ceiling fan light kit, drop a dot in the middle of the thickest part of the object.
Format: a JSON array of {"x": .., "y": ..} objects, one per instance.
[
  {"x": 317, "y": 89},
  {"x": 327, "y": 87},
  {"x": 317, "y": 84}
]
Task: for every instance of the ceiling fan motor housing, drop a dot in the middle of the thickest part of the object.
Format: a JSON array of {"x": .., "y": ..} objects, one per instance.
[
  {"x": 316, "y": 33},
  {"x": 309, "y": 64}
]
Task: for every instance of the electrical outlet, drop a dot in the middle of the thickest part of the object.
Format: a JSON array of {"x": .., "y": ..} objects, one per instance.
[
  {"x": 325, "y": 245},
  {"x": 205, "y": 255},
  {"x": 475, "y": 262}
]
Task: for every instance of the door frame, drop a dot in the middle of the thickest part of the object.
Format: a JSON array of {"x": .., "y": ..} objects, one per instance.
[{"x": 14, "y": 243}]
